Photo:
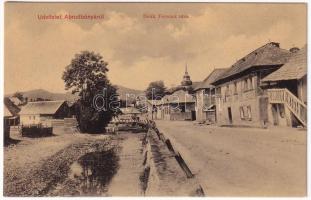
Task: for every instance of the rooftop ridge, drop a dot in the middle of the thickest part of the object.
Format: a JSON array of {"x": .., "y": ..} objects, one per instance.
[{"x": 46, "y": 101}]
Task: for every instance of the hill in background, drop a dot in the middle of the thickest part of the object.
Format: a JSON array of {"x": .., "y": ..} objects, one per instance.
[{"x": 44, "y": 94}]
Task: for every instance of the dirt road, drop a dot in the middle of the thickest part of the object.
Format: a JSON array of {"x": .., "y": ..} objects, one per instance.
[{"x": 242, "y": 161}]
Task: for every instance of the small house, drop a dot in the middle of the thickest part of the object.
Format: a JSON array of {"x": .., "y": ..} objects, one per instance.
[
  {"x": 10, "y": 118},
  {"x": 43, "y": 112},
  {"x": 287, "y": 91},
  {"x": 179, "y": 103},
  {"x": 205, "y": 97},
  {"x": 178, "y": 106}
]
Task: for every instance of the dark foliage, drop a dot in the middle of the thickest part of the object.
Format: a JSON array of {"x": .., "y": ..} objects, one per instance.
[
  {"x": 156, "y": 90},
  {"x": 86, "y": 76}
]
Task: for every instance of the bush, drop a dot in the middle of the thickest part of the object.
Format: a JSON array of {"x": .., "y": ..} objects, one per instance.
[{"x": 36, "y": 131}]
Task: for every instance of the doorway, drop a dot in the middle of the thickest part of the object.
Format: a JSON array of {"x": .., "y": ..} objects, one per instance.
[
  {"x": 230, "y": 115},
  {"x": 274, "y": 110},
  {"x": 193, "y": 116}
]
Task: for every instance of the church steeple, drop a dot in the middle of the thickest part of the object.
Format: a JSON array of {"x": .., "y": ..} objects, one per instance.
[
  {"x": 186, "y": 79},
  {"x": 186, "y": 71}
]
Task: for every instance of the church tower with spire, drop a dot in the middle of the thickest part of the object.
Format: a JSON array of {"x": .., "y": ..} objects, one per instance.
[{"x": 186, "y": 82}]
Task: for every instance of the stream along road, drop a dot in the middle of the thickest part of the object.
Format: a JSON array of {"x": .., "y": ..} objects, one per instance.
[{"x": 73, "y": 164}]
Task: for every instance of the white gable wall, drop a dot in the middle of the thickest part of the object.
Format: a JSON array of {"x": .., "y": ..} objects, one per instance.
[{"x": 29, "y": 119}]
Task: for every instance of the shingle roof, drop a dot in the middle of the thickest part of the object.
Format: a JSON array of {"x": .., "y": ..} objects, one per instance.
[
  {"x": 295, "y": 68},
  {"x": 41, "y": 107},
  {"x": 206, "y": 83},
  {"x": 180, "y": 87},
  {"x": 6, "y": 112},
  {"x": 10, "y": 109},
  {"x": 130, "y": 110},
  {"x": 16, "y": 100},
  {"x": 196, "y": 84},
  {"x": 268, "y": 55}
]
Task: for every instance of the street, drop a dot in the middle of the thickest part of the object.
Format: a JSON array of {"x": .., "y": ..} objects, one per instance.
[
  {"x": 225, "y": 162},
  {"x": 242, "y": 161}
]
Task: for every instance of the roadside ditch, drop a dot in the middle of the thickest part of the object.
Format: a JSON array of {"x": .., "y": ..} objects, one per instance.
[
  {"x": 165, "y": 171},
  {"x": 131, "y": 163}
]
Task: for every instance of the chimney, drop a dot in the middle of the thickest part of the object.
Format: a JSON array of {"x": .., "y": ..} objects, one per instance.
[
  {"x": 276, "y": 44},
  {"x": 294, "y": 49}
]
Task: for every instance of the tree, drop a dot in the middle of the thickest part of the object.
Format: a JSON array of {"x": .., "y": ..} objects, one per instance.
[
  {"x": 156, "y": 90},
  {"x": 86, "y": 76},
  {"x": 40, "y": 99}
]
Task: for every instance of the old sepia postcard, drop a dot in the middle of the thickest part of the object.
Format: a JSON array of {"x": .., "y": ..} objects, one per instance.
[{"x": 155, "y": 99}]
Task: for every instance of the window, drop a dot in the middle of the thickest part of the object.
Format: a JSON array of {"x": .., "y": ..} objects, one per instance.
[
  {"x": 227, "y": 93},
  {"x": 29, "y": 117},
  {"x": 34, "y": 117},
  {"x": 218, "y": 91},
  {"x": 182, "y": 109},
  {"x": 213, "y": 91},
  {"x": 241, "y": 112},
  {"x": 250, "y": 84},
  {"x": 245, "y": 85},
  {"x": 254, "y": 82},
  {"x": 246, "y": 113},
  {"x": 205, "y": 96},
  {"x": 235, "y": 88},
  {"x": 249, "y": 113},
  {"x": 227, "y": 90}
]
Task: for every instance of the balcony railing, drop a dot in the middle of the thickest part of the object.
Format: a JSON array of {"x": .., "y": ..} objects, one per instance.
[{"x": 296, "y": 106}]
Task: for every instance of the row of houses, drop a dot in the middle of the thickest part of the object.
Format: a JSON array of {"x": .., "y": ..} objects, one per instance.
[
  {"x": 178, "y": 104},
  {"x": 266, "y": 87}
]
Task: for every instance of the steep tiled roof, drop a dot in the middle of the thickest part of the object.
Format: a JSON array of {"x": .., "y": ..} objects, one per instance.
[
  {"x": 268, "y": 55},
  {"x": 206, "y": 83},
  {"x": 295, "y": 68},
  {"x": 41, "y": 107}
]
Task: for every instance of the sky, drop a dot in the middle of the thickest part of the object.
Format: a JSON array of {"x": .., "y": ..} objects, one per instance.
[{"x": 140, "y": 49}]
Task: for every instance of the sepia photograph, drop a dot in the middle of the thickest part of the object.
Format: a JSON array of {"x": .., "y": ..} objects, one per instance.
[{"x": 154, "y": 99}]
